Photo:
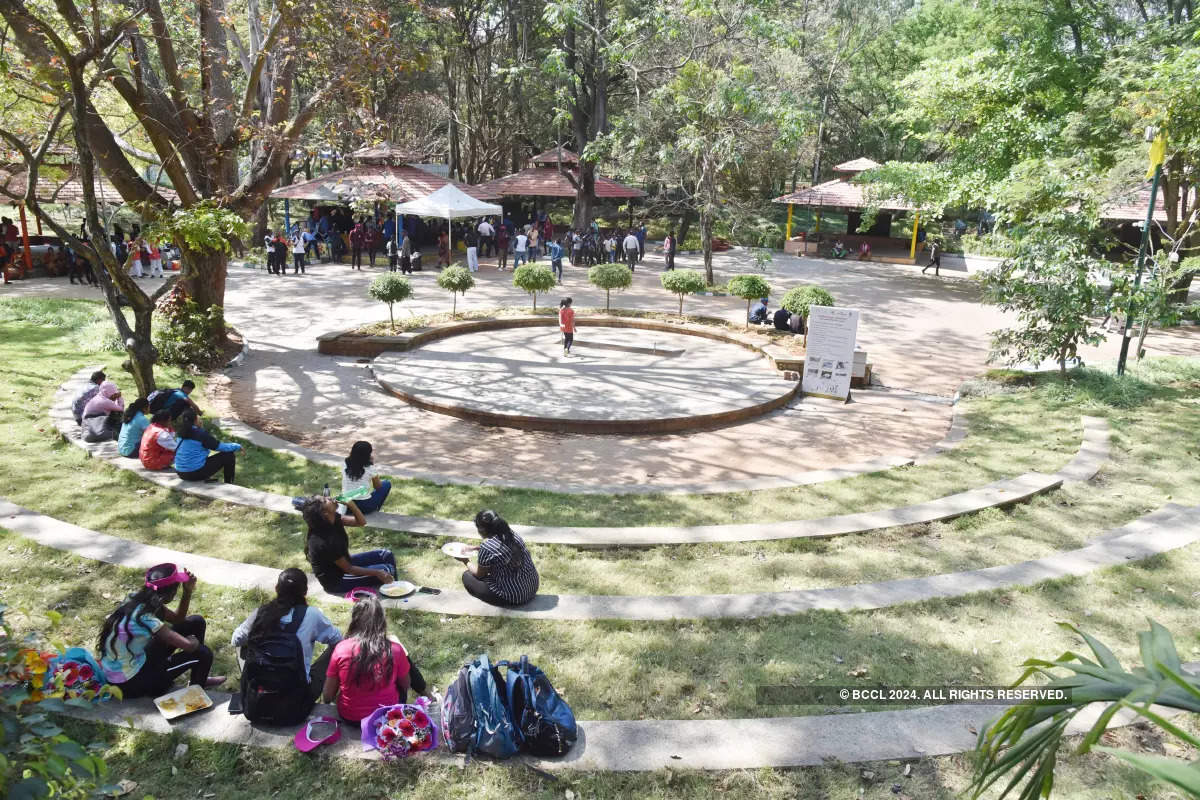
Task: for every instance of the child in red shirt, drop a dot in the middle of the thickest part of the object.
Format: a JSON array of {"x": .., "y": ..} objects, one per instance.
[{"x": 566, "y": 323}]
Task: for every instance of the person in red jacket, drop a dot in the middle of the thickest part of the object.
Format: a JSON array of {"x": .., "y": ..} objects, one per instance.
[{"x": 157, "y": 449}]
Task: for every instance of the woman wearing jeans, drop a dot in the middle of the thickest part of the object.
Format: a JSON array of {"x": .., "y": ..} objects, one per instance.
[
  {"x": 328, "y": 549},
  {"x": 360, "y": 474}
]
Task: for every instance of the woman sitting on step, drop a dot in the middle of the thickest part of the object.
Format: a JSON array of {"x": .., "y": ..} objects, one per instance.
[
  {"x": 194, "y": 460},
  {"x": 370, "y": 669},
  {"x": 133, "y": 425},
  {"x": 327, "y": 548},
  {"x": 359, "y": 474},
  {"x": 144, "y": 645},
  {"x": 503, "y": 574}
]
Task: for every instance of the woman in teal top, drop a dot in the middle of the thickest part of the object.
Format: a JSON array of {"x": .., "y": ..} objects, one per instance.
[{"x": 134, "y": 425}]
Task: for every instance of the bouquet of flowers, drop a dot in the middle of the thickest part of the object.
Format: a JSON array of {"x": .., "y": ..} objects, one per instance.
[
  {"x": 29, "y": 668},
  {"x": 400, "y": 730},
  {"x": 74, "y": 676}
]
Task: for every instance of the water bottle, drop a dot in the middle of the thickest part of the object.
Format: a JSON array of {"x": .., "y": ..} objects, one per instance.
[{"x": 326, "y": 492}]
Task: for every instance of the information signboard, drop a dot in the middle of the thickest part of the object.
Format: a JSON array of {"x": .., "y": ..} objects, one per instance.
[{"x": 829, "y": 358}]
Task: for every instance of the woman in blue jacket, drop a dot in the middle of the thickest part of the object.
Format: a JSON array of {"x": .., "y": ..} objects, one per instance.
[{"x": 194, "y": 460}]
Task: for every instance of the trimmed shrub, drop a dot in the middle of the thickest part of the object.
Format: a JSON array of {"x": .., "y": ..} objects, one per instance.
[
  {"x": 683, "y": 282},
  {"x": 534, "y": 278},
  {"x": 749, "y": 288},
  {"x": 798, "y": 300},
  {"x": 456, "y": 281},
  {"x": 609, "y": 277},
  {"x": 390, "y": 288}
]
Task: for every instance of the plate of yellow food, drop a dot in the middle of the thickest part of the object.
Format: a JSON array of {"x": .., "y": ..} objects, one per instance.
[{"x": 183, "y": 701}]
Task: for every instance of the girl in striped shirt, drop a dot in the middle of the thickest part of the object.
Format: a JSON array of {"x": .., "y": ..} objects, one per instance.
[{"x": 503, "y": 574}]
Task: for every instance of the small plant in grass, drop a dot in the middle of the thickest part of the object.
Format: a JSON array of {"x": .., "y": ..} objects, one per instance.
[
  {"x": 390, "y": 288},
  {"x": 456, "y": 281},
  {"x": 1026, "y": 738},
  {"x": 798, "y": 300},
  {"x": 534, "y": 278},
  {"x": 609, "y": 277},
  {"x": 749, "y": 288},
  {"x": 683, "y": 282}
]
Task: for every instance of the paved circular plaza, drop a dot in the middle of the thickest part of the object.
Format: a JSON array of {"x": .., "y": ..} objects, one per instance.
[{"x": 616, "y": 380}]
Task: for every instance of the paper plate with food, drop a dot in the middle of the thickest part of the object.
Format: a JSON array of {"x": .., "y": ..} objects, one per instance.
[
  {"x": 183, "y": 701},
  {"x": 458, "y": 549}
]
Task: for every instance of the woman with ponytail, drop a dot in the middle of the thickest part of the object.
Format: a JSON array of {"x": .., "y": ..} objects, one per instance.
[
  {"x": 503, "y": 574},
  {"x": 133, "y": 424},
  {"x": 370, "y": 669},
  {"x": 144, "y": 645}
]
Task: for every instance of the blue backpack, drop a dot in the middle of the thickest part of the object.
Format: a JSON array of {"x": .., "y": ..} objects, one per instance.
[
  {"x": 544, "y": 721},
  {"x": 475, "y": 714}
]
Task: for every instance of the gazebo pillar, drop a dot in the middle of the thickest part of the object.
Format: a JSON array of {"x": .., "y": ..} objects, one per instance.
[
  {"x": 25, "y": 239},
  {"x": 287, "y": 217},
  {"x": 787, "y": 237},
  {"x": 912, "y": 250}
]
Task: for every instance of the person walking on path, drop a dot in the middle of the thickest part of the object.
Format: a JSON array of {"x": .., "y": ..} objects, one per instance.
[
  {"x": 631, "y": 250},
  {"x": 486, "y": 232},
  {"x": 357, "y": 241},
  {"x": 519, "y": 252},
  {"x": 501, "y": 247},
  {"x": 669, "y": 249},
  {"x": 406, "y": 251},
  {"x": 533, "y": 244},
  {"x": 443, "y": 250},
  {"x": 566, "y": 324},
  {"x": 297, "y": 254},
  {"x": 473, "y": 251},
  {"x": 555, "y": 251},
  {"x": 641, "y": 237},
  {"x": 935, "y": 259}
]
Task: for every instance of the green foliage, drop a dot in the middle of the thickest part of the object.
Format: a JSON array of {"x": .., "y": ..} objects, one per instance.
[
  {"x": 36, "y": 758},
  {"x": 798, "y": 299},
  {"x": 1025, "y": 740},
  {"x": 1051, "y": 285},
  {"x": 390, "y": 288},
  {"x": 683, "y": 282},
  {"x": 185, "y": 334},
  {"x": 456, "y": 280},
  {"x": 204, "y": 227},
  {"x": 534, "y": 278},
  {"x": 750, "y": 288},
  {"x": 609, "y": 277}
]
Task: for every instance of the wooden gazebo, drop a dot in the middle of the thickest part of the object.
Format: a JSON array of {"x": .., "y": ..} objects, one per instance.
[{"x": 543, "y": 178}]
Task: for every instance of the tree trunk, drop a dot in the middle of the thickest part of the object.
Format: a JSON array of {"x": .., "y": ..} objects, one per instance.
[
  {"x": 585, "y": 196},
  {"x": 681, "y": 306},
  {"x": 454, "y": 305},
  {"x": 607, "y": 292},
  {"x": 204, "y": 277},
  {"x": 706, "y": 228},
  {"x": 685, "y": 225}
]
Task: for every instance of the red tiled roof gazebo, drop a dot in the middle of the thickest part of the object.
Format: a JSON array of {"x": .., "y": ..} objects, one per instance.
[
  {"x": 842, "y": 194},
  {"x": 544, "y": 179}
]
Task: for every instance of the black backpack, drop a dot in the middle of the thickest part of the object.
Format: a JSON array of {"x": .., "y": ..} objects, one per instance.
[
  {"x": 275, "y": 687},
  {"x": 158, "y": 399}
]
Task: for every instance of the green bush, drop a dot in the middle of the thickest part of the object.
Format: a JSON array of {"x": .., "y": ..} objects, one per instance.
[
  {"x": 390, "y": 288},
  {"x": 798, "y": 300},
  {"x": 609, "y": 277},
  {"x": 683, "y": 282},
  {"x": 183, "y": 334},
  {"x": 534, "y": 278},
  {"x": 749, "y": 288},
  {"x": 456, "y": 281}
]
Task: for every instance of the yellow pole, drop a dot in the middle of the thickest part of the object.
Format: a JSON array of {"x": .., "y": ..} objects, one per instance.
[
  {"x": 912, "y": 252},
  {"x": 788, "y": 236}
]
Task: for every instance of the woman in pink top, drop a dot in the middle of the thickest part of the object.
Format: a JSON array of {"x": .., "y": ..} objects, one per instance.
[
  {"x": 369, "y": 669},
  {"x": 107, "y": 400},
  {"x": 566, "y": 323}
]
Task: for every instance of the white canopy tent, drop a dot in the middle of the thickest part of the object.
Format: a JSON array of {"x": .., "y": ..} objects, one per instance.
[{"x": 449, "y": 202}]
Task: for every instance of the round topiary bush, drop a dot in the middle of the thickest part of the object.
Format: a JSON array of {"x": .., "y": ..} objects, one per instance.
[
  {"x": 749, "y": 288},
  {"x": 390, "y": 288},
  {"x": 534, "y": 278},
  {"x": 683, "y": 282},
  {"x": 456, "y": 281},
  {"x": 798, "y": 300},
  {"x": 609, "y": 277}
]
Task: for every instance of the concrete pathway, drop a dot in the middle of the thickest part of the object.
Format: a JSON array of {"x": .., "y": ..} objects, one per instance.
[
  {"x": 1086, "y": 463},
  {"x": 644, "y": 745},
  {"x": 1169, "y": 528}
]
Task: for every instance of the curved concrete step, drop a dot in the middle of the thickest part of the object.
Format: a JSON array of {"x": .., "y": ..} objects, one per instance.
[
  {"x": 1083, "y": 466},
  {"x": 1171, "y": 527}
]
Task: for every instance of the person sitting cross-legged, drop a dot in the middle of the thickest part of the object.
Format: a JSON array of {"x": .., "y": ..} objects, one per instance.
[
  {"x": 504, "y": 574},
  {"x": 194, "y": 459},
  {"x": 359, "y": 473},
  {"x": 133, "y": 425},
  {"x": 327, "y": 547}
]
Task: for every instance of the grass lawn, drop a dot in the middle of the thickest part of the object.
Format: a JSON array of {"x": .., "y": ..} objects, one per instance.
[{"x": 631, "y": 670}]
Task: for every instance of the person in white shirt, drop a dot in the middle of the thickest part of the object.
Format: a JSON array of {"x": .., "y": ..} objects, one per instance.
[
  {"x": 631, "y": 250},
  {"x": 359, "y": 474},
  {"x": 487, "y": 238},
  {"x": 298, "y": 248},
  {"x": 520, "y": 252}
]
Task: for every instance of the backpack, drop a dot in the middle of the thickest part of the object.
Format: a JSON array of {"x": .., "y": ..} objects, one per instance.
[
  {"x": 544, "y": 721},
  {"x": 158, "y": 399},
  {"x": 475, "y": 714},
  {"x": 275, "y": 686},
  {"x": 99, "y": 428}
]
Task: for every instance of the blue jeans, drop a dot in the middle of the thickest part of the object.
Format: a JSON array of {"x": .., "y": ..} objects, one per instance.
[
  {"x": 372, "y": 559},
  {"x": 369, "y": 505},
  {"x": 518, "y": 257}
]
